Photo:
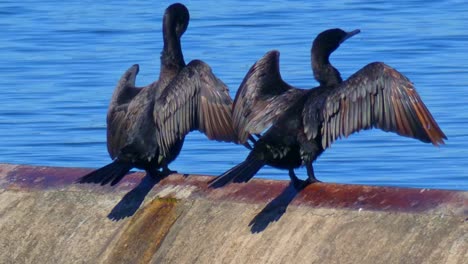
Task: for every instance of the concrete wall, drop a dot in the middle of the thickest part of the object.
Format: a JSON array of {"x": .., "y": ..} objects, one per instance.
[{"x": 46, "y": 218}]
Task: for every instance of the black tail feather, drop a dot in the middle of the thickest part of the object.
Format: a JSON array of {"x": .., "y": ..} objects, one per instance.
[
  {"x": 113, "y": 173},
  {"x": 243, "y": 172}
]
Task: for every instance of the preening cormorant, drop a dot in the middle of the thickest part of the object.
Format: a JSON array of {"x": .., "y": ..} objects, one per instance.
[
  {"x": 300, "y": 124},
  {"x": 146, "y": 127}
]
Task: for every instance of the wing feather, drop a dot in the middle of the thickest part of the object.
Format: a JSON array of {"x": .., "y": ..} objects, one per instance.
[
  {"x": 376, "y": 96},
  {"x": 195, "y": 100},
  {"x": 117, "y": 126},
  {"x": 262, "y": 97}
]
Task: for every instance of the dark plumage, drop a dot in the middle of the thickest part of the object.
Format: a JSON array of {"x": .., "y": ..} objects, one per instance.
[
  {"x": 146, "y": 127},
  {"x": 301, "y": 124}
]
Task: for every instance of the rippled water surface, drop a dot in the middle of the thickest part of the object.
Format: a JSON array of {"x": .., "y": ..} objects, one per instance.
[{"x": 60, "y": 61}]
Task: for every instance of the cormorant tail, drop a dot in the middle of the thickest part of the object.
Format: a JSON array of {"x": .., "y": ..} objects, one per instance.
[
  {"x": 112, "y": 173},
  {"x": 243, "y": 172}
]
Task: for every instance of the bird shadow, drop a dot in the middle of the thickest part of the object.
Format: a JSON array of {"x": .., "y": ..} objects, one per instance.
[
  {"x": 133, "y": 199},
  {"x": 275, "y": 209}
]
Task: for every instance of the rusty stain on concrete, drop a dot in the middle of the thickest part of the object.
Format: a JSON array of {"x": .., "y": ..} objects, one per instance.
[
  {"x": 256, "y": 191},
  {"x": 46, "y": 218},
  {"x": 144, "y": 233}
]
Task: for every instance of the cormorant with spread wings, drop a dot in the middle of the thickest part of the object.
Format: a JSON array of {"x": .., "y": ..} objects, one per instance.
[
  {"x": 146, "y": 127},
  {"x": 301, "y": 123}
]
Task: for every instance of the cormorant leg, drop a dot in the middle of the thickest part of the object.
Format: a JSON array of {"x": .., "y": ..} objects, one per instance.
[
  {"x": 154, "y": 173},
  {"x": 166, "y": 171},
  {"x": 310, "y": 173},
  {"x": 252, "y": 139},
  {"x": 297, "y": 183}
]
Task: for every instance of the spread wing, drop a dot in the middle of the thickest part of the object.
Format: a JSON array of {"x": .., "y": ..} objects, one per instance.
[
  {"x": 375, "y": 96},
  {"x": 262, "y": 97},
  {"x": 124, "y": 92},
  {"x": 194, "y": 100}
]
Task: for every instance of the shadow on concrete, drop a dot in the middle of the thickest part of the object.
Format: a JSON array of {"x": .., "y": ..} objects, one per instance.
[
  {"x": 133, "y": 199},
  {"x": 275, "y": 209}
]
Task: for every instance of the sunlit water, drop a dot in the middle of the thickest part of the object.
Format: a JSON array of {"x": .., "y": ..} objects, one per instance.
[{"x": 60, "y": 61}]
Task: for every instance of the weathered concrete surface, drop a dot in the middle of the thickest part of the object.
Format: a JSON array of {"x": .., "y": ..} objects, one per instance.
[{"x": 45, "y": 218}]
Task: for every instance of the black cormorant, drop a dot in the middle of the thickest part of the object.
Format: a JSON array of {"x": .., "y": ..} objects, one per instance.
[
  {"x": 300, "y": 124},
  {"x": 146, "y": 127}
]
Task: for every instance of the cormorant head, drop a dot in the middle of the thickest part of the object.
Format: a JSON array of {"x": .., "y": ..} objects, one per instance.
[
  {"x": 329, "y": 40},
  {"x": 176, "y": 17},
  {"x": 324, "y": 44}
]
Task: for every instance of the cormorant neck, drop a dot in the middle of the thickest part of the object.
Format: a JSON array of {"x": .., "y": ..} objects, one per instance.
[
  {"x": 172, "y": 59},
  {"x": 324, "y": 72}
]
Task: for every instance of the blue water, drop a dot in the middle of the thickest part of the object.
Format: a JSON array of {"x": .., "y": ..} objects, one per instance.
[{"x": 60, "y": 61}]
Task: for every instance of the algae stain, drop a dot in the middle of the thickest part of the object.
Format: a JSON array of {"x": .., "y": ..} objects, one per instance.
[
  {"x": 167, "y": 199},
  {"x": 145, "y": 232}
]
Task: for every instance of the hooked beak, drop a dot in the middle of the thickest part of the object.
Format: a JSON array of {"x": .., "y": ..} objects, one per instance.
[{"x": 350, "y": 34}]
